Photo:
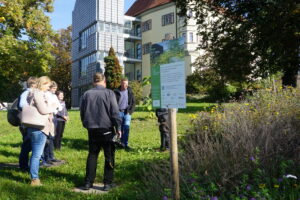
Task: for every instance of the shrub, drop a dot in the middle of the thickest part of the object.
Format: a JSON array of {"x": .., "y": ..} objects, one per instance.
[
  {"x": 242, "y": 150},
  {"x": 201, "y": 80},
  {"x": 223, "y": 92},
  {"x": 137, "y": 89},
  {"x": 228, "y": 142}
]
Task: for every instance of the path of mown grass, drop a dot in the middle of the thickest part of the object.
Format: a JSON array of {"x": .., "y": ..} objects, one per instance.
[{"x": 59, "y": 181}]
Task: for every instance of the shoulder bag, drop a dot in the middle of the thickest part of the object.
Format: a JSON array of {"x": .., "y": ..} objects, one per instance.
[{"x": 31, "y": 117}]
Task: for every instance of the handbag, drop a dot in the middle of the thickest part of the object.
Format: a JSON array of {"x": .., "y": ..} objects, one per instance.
[{"x": 31, "y": 117}]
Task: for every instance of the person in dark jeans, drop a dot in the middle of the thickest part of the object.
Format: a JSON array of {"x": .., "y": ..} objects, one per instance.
[
  {"x": 26, "y": 144},
  {"x": 99, "y": 114},
  {"x": 61, "y": 118},
  {"x": 126, "y": 102},
  {"x": 48, "y": 157},
  {"x": 163, "y": 120}
]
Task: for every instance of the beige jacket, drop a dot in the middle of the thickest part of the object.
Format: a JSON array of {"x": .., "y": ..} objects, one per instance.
[{"x": 44, "y": 108}]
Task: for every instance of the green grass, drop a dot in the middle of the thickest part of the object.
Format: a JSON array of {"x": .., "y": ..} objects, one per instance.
[{"x": 59, "y": 181}]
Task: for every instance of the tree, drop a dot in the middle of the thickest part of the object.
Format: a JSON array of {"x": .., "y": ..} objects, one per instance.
[
  {"x": 60, "y": 70},
  {"x": 25, "y": 33},
  {"x": 245, "y": 39},
  {"x": 113, "y": 70}
]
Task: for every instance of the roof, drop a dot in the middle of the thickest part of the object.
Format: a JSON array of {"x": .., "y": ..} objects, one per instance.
[{"x": 141, "y": 6}]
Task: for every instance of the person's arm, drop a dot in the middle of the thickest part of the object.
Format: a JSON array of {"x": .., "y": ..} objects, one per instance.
[
  {"x": 82, "y": 108},
  {"x": 114, "y": 113},
  {"x": 132, "y": 103},
  {"x": 23, "y": 99}
]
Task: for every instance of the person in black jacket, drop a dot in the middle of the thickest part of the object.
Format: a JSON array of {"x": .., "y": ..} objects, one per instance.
[
  {"x": 99, "y": 114},
  {"x": 126, "y": 102},
  {"x": 163, "y": 120}
]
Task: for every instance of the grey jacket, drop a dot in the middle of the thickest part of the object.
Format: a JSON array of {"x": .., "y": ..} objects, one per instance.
[{"x": 99, "y": 109}]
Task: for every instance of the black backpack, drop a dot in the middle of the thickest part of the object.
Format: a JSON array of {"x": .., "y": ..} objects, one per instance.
[{"x": 13, "y": 113}]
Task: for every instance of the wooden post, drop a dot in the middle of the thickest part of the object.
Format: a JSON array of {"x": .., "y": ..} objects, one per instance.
[{"x": 174, "y": 154}]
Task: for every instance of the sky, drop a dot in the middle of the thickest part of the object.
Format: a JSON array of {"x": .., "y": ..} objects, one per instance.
[{"x": 62, "y": 15}]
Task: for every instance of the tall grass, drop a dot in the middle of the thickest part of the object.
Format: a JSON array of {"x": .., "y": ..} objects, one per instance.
[{"x": 239, "y": 151}]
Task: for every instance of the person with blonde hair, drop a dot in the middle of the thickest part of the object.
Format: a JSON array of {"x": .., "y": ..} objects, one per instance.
[
  {"x": 38, "y": 136},
  {"x": 48, "y": 157}
]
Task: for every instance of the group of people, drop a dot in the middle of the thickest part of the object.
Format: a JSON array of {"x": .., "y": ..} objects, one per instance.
[
  {"x": 42, "y": 93},
  {"x": 106, "y": 115}
]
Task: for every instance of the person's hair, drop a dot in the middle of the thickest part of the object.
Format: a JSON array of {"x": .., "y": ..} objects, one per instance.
[
  {"x": 124, "y": 79},
  {"x": 43, "y": 80},
  {"x": 31, "y": 81},
  {"x": 59, "y": 92},
  {"x": 53, "y": 84},
  {"x": 98, "y": 77}
]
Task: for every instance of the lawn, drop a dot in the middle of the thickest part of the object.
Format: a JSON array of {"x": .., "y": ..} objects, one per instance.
[{"x": 59, "y": 181}]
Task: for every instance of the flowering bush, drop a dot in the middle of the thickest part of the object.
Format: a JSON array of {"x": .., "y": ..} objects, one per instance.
[
  {"x": 241, "y": 151},
  {"x": 258, "y": 139}
]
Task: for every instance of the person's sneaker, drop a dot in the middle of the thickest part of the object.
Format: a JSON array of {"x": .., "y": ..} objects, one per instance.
[
  {"x": 55, "y": 160},
  {"x": 45, "y": 164},
  {"x": 87, "y": 186},
  {"x": 36, "y": 182},
  {"x": 108, "y": 187}
]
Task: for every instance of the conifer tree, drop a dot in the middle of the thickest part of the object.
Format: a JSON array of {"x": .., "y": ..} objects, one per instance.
[{"x": 113, "y": 70}]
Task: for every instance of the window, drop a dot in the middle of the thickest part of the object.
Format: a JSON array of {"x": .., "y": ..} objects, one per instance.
[
  {"x": 138, "y": 51},
  {"x": 169, "y": 36},
  {"x": 167, "y": 19},
  {"x": 84, "y": 62},
  {"x": 146, "y": 48},
  {"x": 191, "y": 37},
  {"x": 128, "y": 24},
  {"x": 189, "y": 13},
  {"x": 100, "y": 26},
  {"x": 114, "y": 28},
  {"x": 84, "y": 35},
  {"x": 138, "y": 31},
  {"x": 147, "y": 25},
  {"x": 107, "y": 27}
]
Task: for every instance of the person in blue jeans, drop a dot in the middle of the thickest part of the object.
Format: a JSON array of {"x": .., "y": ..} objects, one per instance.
[
  {"x": 126, "y": 102},
  {"x": 38, "y": 136},
  {"x": 26, "y": 144}
]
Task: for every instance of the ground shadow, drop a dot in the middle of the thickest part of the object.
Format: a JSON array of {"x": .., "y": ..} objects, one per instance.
[
  {"x": 9, "y": 154},
  {"x": 14, "y": 145},
  {"x": 78, "y": 144}
]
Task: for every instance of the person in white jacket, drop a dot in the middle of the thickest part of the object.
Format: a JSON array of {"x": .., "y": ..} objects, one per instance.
[{"x": 48, "y": 156}]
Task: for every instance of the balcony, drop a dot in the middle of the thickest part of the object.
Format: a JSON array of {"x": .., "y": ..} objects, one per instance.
[
  {"x": 132, "y": 28},
  {"x": 131, "y": 57},
  {"x": 131, "y": 34}
]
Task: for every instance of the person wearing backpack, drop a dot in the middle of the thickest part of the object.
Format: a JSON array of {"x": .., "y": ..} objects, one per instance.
[{"x": 26, "y": 144}]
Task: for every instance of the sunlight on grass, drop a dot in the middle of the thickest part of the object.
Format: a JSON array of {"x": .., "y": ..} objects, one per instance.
[{"x": 59, "y": 181}]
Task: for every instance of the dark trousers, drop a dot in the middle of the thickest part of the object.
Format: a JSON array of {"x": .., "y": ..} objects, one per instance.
[
  {"x": 164, "y": 135},
  {"x": 98, "y": 141},
  {"x": 60, "y": 127},
  {"x": 25, "y": 149},
  {"x": 48, "y": 154}
]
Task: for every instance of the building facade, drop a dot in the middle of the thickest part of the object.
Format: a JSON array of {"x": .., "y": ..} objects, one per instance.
[
  {"x": 101, "y": 24},
  {"x": 97, "y": 26}
]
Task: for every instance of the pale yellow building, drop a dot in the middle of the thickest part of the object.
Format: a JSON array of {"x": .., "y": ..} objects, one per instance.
[{"x": 153, "y": 21}]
